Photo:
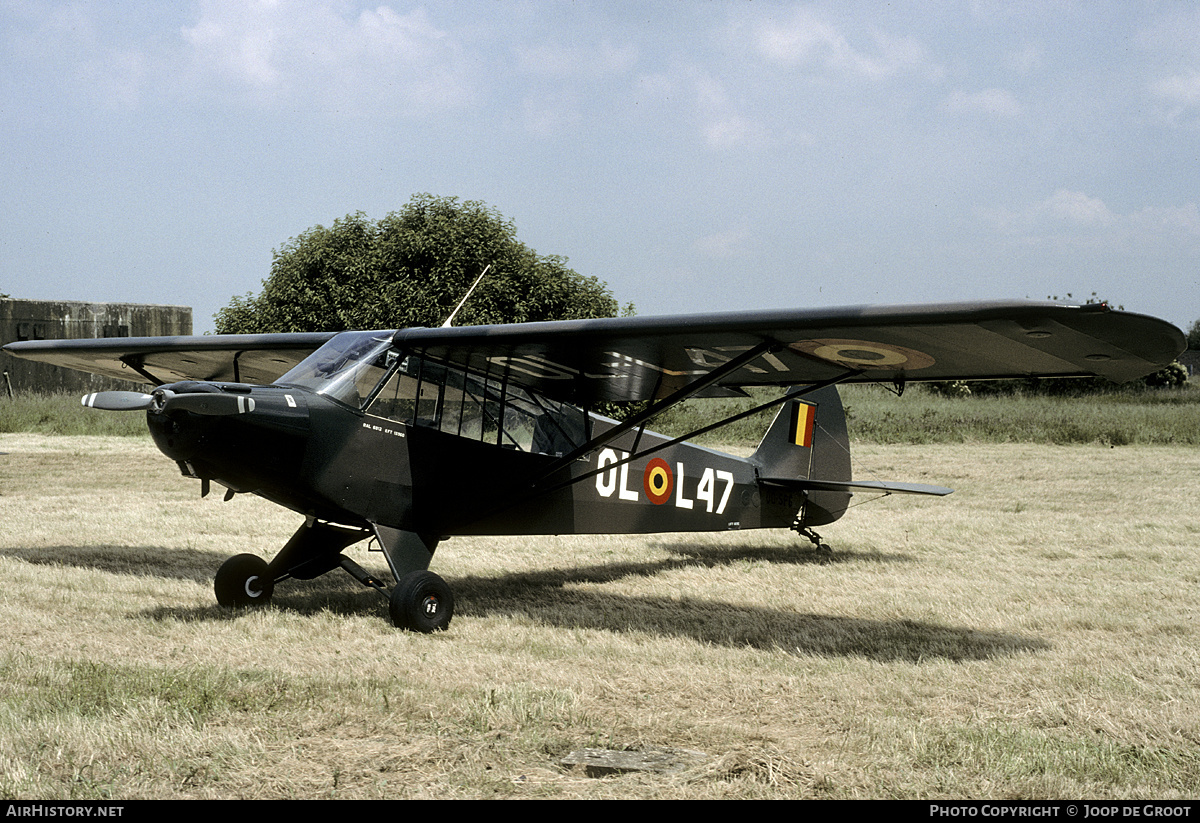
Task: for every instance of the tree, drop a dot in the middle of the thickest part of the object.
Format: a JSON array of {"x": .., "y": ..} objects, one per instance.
[
  {"x": 411, "y": 269},
  {"x": 1193, "y": 335}
]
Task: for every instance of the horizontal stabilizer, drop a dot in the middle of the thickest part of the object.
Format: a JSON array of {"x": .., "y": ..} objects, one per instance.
[{"x": 804, "y": 484}]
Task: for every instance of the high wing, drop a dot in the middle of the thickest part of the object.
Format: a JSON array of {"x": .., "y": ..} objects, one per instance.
[
  {"x": 240, "y": 358},
  {"x": 644, "y": 358}
]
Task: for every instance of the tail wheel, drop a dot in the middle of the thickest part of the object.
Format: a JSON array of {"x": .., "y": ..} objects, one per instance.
[
  {"x": 421, "y": 602},
  {"x": 242, "y": 580}
]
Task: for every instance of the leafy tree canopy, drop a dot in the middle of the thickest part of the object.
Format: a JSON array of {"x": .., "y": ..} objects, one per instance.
[
  {"x": 411, "y": 269},
  {"x": 1193, "y": 335}
]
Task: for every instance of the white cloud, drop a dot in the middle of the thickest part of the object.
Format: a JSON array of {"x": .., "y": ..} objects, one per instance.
[
  {"x": 731, "y": 131},
  {"x": 239, "y": 40},
  {"x": 723, "y": 125},
  {"x": 1075, "y": 208},
  {"x": 1025, "y": 61},
  {"x": 546, "y": 117},
  {"x": 1074, "y": 218},
  {"x": 562, "y": 77},
  {"x": 1182, "y": 89},
  {"x": 805, "y": 40},
  {"x": 719, "y": 118},
  {"x": 1064, "y": 209},
  {"x": 74, "y": 47},
  {"x": 1180, "y": 94},
  {"x": 1171, "y": 43},
  {"x": 324, "y": 53},
  {"x": 1183, "y": 221}
]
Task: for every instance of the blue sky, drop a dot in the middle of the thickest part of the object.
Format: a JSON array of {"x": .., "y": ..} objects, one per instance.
[{"x": 696, "y": 156}]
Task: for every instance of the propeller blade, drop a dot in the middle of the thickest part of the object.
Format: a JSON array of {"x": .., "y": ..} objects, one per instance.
[
  {"x": 209, "y": 403},
  {"x": 117, "y": 400},
  {"x": 214, "y": 404}
]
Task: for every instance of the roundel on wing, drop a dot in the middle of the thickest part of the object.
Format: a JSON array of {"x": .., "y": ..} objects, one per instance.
[
  {"x": 657, "y": 480},
  {"x": 865, "y": 354}
]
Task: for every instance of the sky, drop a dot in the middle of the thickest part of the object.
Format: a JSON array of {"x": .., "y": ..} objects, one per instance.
[{"x": 695, "y": 156}]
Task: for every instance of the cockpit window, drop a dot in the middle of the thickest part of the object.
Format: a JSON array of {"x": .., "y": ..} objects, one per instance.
[
  {"x": 346, "y": 368},
  {"x": 357, "y": 367},
  {"x": 477, "y": 407}
]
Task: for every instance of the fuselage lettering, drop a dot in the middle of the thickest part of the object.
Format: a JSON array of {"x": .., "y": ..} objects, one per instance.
[
  {"x": 707, "y": 490},
  {"x": 713, "y": 490},
  {"x": 606, "y": 482},
  {"x": 626, "y": 493},
  {"x": 681, "y": 502}
]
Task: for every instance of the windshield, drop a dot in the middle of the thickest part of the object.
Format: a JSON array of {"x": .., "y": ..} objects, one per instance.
[{"x": 346, "y": 368}]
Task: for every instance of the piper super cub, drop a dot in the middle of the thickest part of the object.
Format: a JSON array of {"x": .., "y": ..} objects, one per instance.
[{"x": 415, "y": 435}]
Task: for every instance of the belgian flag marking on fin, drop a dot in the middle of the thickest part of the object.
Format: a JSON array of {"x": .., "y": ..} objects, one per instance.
[{"x": 800, "y": 428}]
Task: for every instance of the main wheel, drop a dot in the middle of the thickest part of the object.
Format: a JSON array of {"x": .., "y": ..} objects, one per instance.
[
  {"x": 421, "y": 602},
  {"x": 242, "y": 580}
]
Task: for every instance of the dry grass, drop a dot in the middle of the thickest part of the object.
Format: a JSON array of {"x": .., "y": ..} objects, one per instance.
[{"x": 1033, "y": 635}]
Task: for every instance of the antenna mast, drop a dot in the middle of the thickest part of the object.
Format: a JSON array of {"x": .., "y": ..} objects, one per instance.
[{"x": 449, "y": 319}]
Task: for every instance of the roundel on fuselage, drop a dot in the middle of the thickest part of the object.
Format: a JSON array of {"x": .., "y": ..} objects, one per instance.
[{"x": 657, "y": 481}]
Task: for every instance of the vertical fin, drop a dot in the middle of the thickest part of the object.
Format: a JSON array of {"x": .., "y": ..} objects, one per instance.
[{"x": 808, "y": 439}]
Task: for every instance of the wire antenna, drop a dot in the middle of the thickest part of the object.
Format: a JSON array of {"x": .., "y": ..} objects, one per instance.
[{"x": 450, "y": 319}]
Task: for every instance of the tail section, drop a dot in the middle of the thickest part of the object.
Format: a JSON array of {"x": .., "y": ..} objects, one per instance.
[
  {"x": 807, "y": 450},
  {"x": 808, "y": 442}
]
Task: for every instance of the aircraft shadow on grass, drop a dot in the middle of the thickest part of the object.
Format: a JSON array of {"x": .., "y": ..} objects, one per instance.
[
  {"x": 166, "y": 562},
  {"x": 550, "y": 597}
]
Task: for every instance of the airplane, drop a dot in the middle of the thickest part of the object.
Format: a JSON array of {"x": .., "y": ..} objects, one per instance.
[{"x": 415, "y": 435}]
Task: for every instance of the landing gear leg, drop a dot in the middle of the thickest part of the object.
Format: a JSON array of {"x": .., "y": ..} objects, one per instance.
[
  {"x": 818, "y": 545},
  {"x": 248, "y": 580},
  {"x": 420, "y": 601}
]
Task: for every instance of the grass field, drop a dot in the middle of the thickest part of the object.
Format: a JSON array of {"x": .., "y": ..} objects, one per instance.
[
  {"x": 1035, "y": 634},
  {"x": 1162, "y": 417},
  {"x": 874, "y": 414}
]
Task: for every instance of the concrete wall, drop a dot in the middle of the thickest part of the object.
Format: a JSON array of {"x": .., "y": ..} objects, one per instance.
[{"x": 60, "y": 320}]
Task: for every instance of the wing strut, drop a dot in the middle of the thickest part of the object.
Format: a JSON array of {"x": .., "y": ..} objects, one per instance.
[
  {"x": 129, "y": 361},
  {"x": 696, "y": 386},
  {"x": 794, "y": 393}
]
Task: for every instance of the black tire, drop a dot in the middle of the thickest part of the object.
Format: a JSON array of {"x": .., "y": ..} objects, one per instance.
[
  {"x": 421, "y": 602},
  {"x": 242, "y": 581}
]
